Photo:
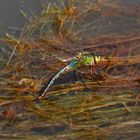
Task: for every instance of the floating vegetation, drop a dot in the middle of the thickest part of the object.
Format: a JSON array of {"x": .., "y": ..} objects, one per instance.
[{"x": 100, "y": 101}]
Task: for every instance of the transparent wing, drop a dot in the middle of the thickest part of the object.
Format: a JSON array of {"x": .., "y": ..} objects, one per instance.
[
  {"x": 69, "y": 22},
  {"x": 102, "y": 24},
  {"x": 66, "y": 27}
]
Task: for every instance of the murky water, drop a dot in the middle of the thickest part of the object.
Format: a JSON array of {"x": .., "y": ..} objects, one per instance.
[
  {"x": 79, "y": 114},
  {"x": 11, "y": 18}
]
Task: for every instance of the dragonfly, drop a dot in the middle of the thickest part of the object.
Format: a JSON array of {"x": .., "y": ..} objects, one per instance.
[
  {"x": 84, "y": 59},
  {"x": 96, "y": 61}
]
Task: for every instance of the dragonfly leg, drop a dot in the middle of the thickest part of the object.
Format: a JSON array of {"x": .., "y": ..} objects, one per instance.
[
  {"x": 93, "y": 69},
  {"x": 74, "y": 74},
  {"x": 79, "y": 75},
  {"x": 105, "y": 74},
  {"x": 94, "y": 76},
  {"x": 83, "y": 82},
  {"x": 97, "y": 77}
]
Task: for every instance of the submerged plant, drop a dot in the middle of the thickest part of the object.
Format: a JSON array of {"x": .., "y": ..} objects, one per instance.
[{"x": 91, "y": 37}]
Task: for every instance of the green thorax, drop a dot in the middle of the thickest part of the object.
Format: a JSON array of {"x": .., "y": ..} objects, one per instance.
[{"x": 87, "y": 59}]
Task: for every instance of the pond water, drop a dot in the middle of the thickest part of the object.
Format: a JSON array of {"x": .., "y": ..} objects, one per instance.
[
  {"x": 71, "y": 111},
  {"x": 11, "y": 19}
]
